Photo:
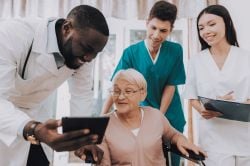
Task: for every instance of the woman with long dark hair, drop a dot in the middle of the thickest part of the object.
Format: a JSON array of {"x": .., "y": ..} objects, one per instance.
[{"x": 220, "y": 71}]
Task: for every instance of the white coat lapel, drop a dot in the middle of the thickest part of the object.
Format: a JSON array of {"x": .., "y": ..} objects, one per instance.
[
  {"x": 40, "y": 47},
  {"x": 47, "y": 61}
]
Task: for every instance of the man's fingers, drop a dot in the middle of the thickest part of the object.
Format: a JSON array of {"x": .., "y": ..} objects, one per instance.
[
  {"x": 80, "y": 153},
  {"x": 74, "y": 134},
  {"x": 100, "y": 156},
  {"x": 97, "y": 154},
  {"x": 52, "y": 124},
  {"x": 92, "y": 150},
  {"x": 94, "y": 153},
  {"x": 76, "y": 143}
]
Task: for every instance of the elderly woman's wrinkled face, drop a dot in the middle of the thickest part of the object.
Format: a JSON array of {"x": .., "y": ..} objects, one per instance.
[{"x": 126, "y": 96}]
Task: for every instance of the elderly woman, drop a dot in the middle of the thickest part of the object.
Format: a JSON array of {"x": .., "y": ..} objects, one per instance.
[{"x": 134, "y": 133}]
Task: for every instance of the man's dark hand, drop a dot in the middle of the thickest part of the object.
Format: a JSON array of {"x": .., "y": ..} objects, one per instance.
[
  {"x": 47, "y": 133},
  {"x": 90, "y": 152}
]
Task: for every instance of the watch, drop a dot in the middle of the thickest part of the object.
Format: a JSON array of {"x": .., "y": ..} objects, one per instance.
[{"x": 29, "y": 132}]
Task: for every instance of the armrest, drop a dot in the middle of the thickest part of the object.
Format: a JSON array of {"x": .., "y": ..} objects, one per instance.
[{"x": 198, "y": 159}]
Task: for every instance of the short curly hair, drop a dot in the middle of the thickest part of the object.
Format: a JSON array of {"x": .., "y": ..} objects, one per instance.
[{"x": 85, "y": 16}]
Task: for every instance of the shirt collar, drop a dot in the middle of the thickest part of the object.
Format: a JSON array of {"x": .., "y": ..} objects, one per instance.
[{"x": 52, "y": 46}]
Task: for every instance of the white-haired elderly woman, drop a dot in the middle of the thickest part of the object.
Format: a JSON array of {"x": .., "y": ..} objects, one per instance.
[{"x": 134, "y": 133}]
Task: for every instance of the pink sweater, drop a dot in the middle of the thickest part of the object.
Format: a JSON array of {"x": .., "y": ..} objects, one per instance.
[{"x": 122, "y": 147}]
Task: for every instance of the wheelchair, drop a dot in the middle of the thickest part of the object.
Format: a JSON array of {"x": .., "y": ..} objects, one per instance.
[{"x": 167, "y": 147}]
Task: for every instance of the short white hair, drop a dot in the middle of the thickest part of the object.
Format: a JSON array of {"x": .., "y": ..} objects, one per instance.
[{"x": 132, "y": 76}]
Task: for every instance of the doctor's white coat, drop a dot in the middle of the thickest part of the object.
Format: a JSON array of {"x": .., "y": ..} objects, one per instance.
[{"x": 34, "y": 96}]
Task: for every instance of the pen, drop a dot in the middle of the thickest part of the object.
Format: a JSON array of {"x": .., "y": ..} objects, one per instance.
[
  {"x": 227, "y": 96},
  {"x": 229, "y": 93}
]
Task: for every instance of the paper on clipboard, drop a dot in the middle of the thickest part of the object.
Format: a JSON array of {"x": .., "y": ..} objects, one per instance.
[{"x": 230, "y": 110}]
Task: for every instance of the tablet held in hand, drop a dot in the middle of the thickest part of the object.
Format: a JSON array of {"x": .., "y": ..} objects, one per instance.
[{"x": 96, "y": 125}]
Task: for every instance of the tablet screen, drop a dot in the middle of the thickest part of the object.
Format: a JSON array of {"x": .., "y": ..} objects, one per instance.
[{"x": 96, "y": 125}]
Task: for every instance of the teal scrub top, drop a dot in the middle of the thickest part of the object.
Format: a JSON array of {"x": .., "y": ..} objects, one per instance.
[{"x": 168, "y": 70}]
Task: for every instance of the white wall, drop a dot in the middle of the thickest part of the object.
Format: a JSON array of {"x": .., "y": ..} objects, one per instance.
[{"x": 240, "y": 13}]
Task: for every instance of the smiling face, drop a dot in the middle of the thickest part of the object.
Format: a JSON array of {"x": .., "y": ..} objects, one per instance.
[
  {"x": 80, "y": 46},
  {"x": 126, "y": 96},
  {"x": 212, "y": 29},
  {"x": 157, "y": 32}
]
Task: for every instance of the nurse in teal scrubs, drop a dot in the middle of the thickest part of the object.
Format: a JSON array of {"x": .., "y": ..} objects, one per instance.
[{"x": 161, "y": 63}]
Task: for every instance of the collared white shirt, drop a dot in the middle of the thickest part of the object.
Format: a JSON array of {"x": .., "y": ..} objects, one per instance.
[{"x": 52, "y": 45}]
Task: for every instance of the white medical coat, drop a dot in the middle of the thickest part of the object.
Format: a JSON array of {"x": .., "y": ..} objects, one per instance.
[
  {"x": 32, "y": 97},
  {"x": 205, "y": 79}
]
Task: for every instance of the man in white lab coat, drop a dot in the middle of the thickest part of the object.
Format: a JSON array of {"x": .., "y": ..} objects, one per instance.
[{"x": 36, "y": 57}]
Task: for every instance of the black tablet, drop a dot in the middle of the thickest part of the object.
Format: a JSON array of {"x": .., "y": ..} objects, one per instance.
[{"x": 96, "y": 125}]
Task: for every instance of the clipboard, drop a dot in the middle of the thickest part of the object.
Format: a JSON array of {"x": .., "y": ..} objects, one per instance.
[{"x": 230, "y": 110}]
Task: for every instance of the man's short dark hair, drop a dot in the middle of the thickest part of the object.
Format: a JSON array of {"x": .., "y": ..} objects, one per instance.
[
  {"x": 164, "y": 11},
  {"x": 85, "y": 16}
]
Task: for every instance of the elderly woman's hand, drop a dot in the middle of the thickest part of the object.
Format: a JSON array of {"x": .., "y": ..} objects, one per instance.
[
  {"x": 93, "y": 150},
  {"x": 183, "y": 145}
]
